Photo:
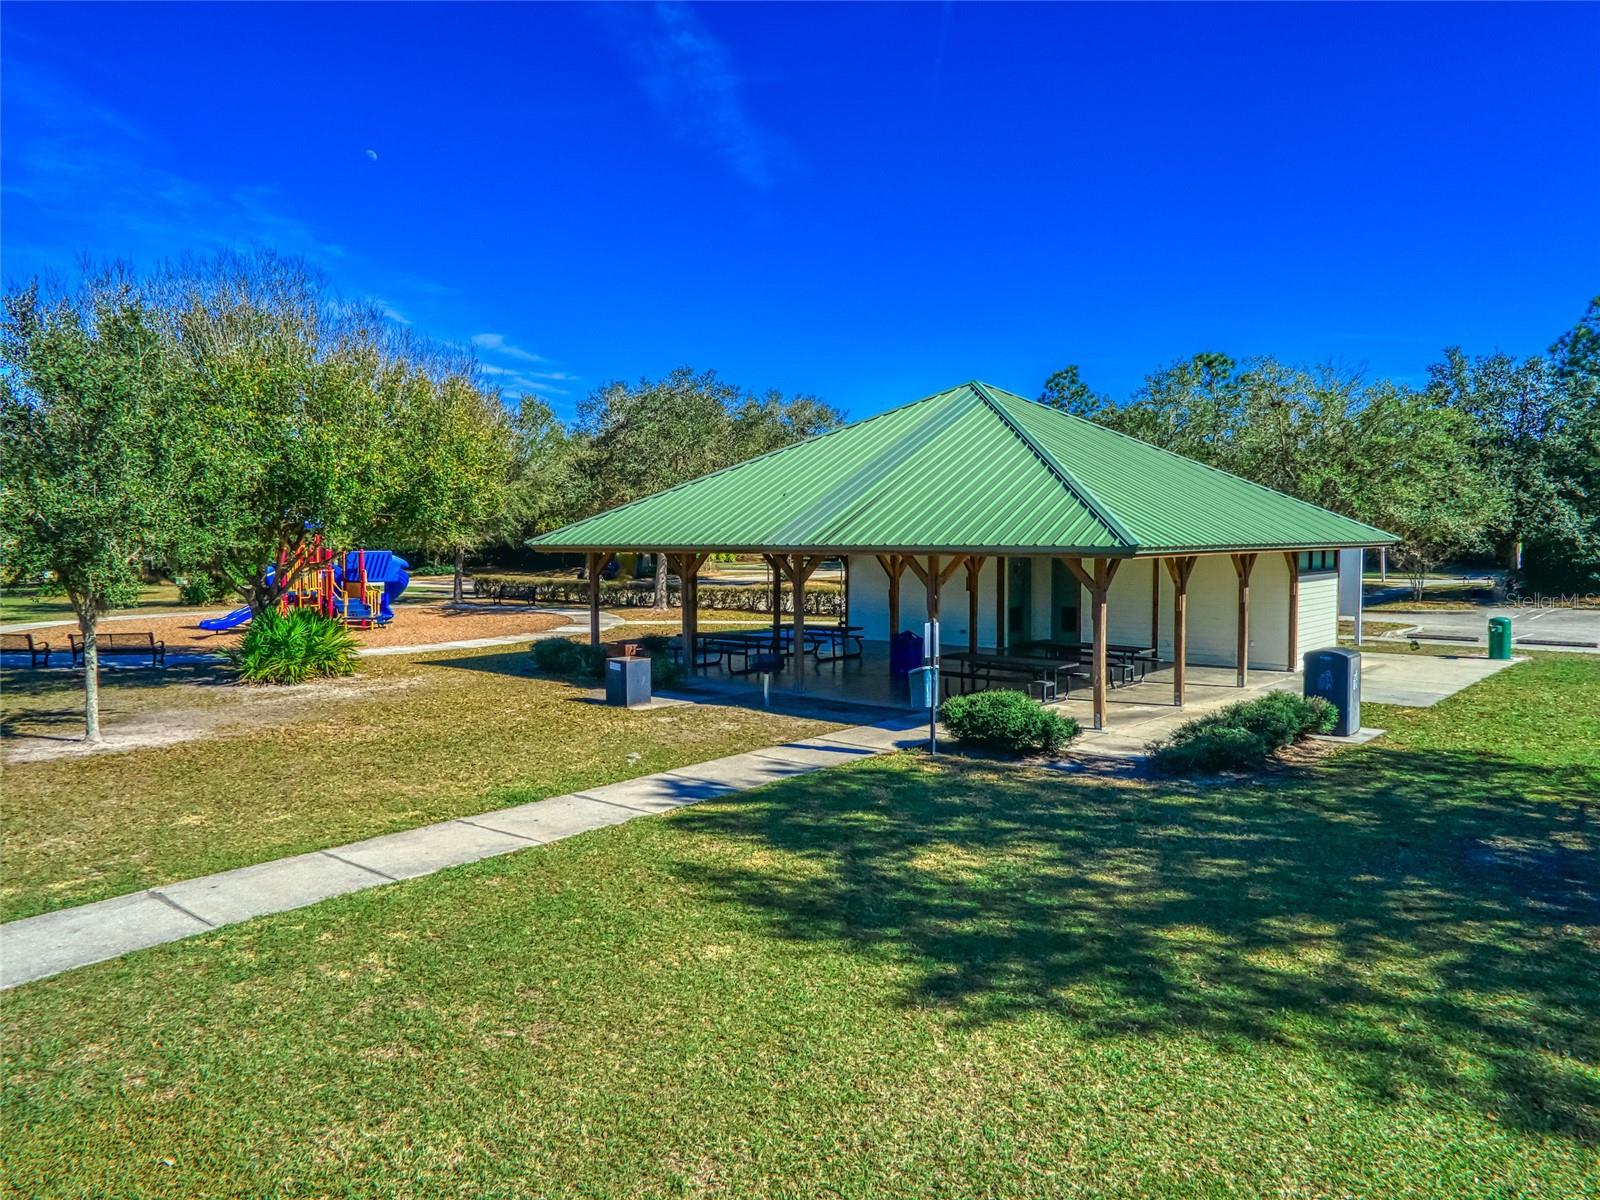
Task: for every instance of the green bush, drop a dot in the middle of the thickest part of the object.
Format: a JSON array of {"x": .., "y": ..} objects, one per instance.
[
  {"x": 203, "y": 590},
  {"x": 556, "y": 656},
  {"x": 664, "y": 673},
  {"x": 591, "y": 662},
  {"x": 1007, "y": 721},
  {"x": 294, "y": 648},
  {"x": 1219, "y": 748},
  {"x": 570, "y": 660},
  {"x": 1242, "y": 735}
]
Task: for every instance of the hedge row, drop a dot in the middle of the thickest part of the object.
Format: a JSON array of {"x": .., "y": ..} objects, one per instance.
[{"x": 820, "y": 601}]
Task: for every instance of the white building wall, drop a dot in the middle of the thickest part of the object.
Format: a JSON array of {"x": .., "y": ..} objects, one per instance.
[
  {"x": 1128, "y": 603},
  {"x": 1214, "y": 613},
  {"x": 1319, "y": 611},
  {"x": 869, "y": 601}
]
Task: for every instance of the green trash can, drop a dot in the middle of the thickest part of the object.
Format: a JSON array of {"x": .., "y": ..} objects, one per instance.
[{"x": 1499, "y": 637}]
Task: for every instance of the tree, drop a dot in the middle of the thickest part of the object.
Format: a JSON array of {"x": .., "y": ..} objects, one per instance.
[
  {"x": 1573, "y": 562},
  {"x": 1408, "y": 468},
  {"x": 1189, "y": 407},
  {"x": 459, "y": 488},
  {"x": 544, "y": 488},
  {"x": 642, "y": 439},
  {"x": 300, "y": 418},
  {"x": 1067, "y": 391},
  {"x": 1523, "y": 418},
  {"x": 87, "y": 484}
]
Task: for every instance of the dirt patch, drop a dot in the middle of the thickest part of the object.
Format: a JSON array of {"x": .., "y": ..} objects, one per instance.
[
  {"x": 254, "y": 708},
  {"x": 413, "y": 625}
]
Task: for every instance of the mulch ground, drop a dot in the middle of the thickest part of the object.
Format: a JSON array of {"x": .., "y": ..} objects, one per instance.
[{"x": 413, "y": 625}]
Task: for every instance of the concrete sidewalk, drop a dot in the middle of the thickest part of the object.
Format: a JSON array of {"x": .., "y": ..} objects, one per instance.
[{"x": 37, "y": 947}]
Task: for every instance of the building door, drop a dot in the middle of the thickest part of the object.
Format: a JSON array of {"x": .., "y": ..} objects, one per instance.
[
  {"x": 1019, "y": 600},
  {"x": 1064, "y": 593}
]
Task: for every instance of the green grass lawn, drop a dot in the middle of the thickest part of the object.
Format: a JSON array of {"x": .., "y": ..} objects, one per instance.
[
  {"x": 21, "y": 604},
  {"x": 1374, "y": 976},
  {"x": 409, "y": 741}
]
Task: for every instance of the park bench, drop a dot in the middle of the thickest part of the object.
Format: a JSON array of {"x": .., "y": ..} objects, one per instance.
[
  {"x": 122, "y": 643},
  {"x": 23, "y": 643}
]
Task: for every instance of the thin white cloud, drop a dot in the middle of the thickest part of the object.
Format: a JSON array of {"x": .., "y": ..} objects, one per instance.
[
  {"x": 690, "y": 78},
  {"x": 495, "y": 343}
]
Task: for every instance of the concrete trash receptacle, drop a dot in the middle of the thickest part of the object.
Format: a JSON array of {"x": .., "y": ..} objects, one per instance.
[
  {"x": 1335, "y": 675},
  {"x": 627, "y": 682},
  {"x": 1500, "y": 637}
]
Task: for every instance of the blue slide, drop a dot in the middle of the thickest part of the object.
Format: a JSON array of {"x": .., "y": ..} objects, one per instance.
[{"x": 237, "y": 617}]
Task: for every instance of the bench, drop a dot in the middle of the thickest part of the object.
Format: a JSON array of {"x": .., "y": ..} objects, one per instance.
[
  {"x": 121, "y": 643},
  {"x": 23, "y": 643}
]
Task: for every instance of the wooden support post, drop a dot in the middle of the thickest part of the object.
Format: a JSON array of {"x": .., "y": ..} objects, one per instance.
[
  {"x": 799, "y": 568},
  {"x": 777, "y": 598},
  {"x": 1155, "y": 605},
  {"x": 1001, "y": 615},
  {"x": 593, "y": 564},
  {"x": 1293, "y": 560},
  {"x": 974, "y": 566},
  {"x": 689, "y": 599},
  {"x": 845, "y": 619},
  {"x": 1180, "y": 570},
  {"x": 797, "y": 575},
  {"x": 893, "y": 565},
  {"x": 1243, "y": 564},
  {"x": 1098, "y": 585}
]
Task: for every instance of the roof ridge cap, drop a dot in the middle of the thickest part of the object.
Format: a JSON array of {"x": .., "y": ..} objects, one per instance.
[{"x": 1068, "y": 480}]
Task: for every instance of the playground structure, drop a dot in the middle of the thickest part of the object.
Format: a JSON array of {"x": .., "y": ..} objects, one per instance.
[{"x": 357, "y": 587}]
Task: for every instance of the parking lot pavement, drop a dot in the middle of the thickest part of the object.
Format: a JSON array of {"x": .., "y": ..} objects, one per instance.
[{"x": 1536, "y": 628}]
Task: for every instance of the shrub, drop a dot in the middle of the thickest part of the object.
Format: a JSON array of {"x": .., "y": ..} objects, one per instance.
[
  {"x": 1242, "y": 735},
  {"x": 1220, "y": 748},
  {"x": 294, "y": 648},
  {"x": 203, "y": 590},
  {"x": 556, "y": 656},
  {"x": 1007, "y": 721},
  {"x": 591, "y": 662},
  {"x": 569, "y": 659},
  {"x": 664, "y": 673}
]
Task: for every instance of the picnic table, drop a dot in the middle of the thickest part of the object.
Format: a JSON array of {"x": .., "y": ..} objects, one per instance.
[
  {"x": 837, "y": 640},
  {"x": 757, "y": 651},
  {"x": 1125, "y": 659},
  {"x": 1050, "y": 677}
]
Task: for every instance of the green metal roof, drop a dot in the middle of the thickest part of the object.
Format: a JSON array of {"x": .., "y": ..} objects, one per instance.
[{"x": 974, "y": 468}]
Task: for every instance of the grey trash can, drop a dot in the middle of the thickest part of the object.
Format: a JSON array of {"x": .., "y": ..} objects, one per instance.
[
  {"x": 1335, "y": 675},
  {"x": 628, "y": 682}
]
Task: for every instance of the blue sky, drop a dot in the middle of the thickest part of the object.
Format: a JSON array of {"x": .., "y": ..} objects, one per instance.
[{"x": 865, "y": 202}]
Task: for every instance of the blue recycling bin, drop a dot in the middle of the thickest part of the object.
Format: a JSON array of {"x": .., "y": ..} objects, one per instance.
[
  {"x": 905, "y": 653},
  {"x": 1335, "y": 676}
]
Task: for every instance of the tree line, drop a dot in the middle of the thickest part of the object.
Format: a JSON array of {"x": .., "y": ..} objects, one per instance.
[
  {"x": 199, "y": 421},
  {"x": 1495, "y": 455}
]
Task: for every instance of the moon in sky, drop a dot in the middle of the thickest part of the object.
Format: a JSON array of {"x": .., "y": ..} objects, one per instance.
[{"x": 373, "y": 155}]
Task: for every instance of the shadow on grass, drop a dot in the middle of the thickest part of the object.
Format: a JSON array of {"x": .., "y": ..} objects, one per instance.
[
  {"x": 37, "y": 702},
  {"x": 1429, "y": 921}
]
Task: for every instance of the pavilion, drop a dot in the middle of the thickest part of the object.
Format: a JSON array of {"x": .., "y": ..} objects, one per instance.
[{"x": 1040, "y": 517}]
